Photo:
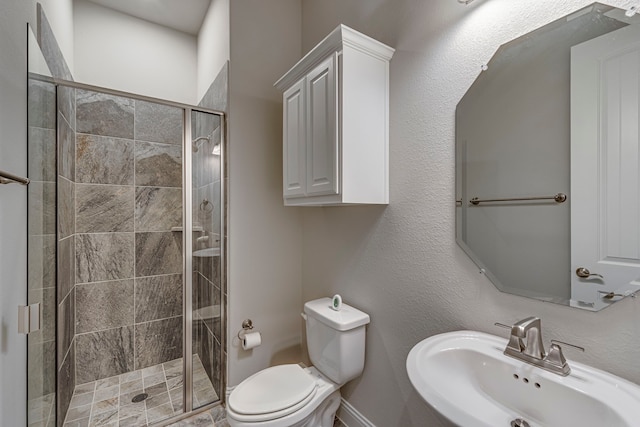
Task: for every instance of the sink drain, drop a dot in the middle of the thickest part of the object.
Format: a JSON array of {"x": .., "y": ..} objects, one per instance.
[
  {"x": 519, "y": 422},
  {"x": 142, "y": 396}
]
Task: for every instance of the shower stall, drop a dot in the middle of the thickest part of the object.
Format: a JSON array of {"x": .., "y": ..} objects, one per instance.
[{"x": 126, "y": 256}]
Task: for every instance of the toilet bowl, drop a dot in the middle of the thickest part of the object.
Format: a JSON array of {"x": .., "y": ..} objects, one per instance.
[
  {"x": 284, "y": 395},
  {"x": 293, "y": 396}
]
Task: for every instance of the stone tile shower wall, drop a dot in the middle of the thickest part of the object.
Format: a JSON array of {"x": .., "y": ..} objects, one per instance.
[
  {"x": 128, "y": 262},
  {"x": 66, "y": 247}
]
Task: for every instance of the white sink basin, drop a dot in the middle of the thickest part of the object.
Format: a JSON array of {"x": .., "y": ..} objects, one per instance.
[{"x": 466, "y": 378}]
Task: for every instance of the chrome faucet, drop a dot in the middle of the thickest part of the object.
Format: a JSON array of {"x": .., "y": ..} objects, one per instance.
[
  {"x": 528, "y": 329},
  {"x": 525, "y": 344}
]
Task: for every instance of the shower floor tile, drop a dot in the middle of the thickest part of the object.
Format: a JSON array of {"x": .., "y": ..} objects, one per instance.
[{"x": 111, "y": 401}]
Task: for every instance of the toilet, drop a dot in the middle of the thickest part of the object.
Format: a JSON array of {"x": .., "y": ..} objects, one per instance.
[{"x": 293, "y": 396}]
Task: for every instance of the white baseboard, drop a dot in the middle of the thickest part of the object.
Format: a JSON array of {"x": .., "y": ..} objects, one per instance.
[{"x": 351, "y": 417}]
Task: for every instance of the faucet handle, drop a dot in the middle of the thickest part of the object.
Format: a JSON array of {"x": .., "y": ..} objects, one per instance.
[
  {"x": 515, "y": 342},
  {"x": 556, "y": 358},
  {"x": 502, "y": 325},
  {"x": 577, "y": 347}
]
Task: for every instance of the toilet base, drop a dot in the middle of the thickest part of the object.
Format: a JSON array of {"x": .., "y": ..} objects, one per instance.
[{"x": 323, "y": 416}]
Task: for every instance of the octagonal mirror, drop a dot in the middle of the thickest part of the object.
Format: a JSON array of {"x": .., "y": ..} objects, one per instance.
[{"x": 548, "y": 162}]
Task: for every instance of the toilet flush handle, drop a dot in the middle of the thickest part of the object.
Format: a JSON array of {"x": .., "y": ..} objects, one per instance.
[{"x": 304, "y": 316}]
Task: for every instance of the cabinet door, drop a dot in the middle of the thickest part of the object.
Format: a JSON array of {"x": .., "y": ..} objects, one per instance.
[
  {"x": 294, "y": 152},
  {"x": 322, "y": 139}
]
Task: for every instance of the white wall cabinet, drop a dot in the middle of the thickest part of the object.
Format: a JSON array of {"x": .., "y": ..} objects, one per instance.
[{"x": 336, "y": 123}]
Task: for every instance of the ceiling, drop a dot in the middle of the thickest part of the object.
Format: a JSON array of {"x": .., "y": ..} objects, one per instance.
[{"x": 182, "y": 15}]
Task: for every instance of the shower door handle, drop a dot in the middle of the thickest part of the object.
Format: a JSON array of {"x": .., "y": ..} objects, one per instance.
[{"x": 29, "y": 318}]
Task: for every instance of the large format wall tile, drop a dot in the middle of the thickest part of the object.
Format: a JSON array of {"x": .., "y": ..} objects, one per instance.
[
  {"x": 158, "y": 209},
  {"x": 104, "y": 305},
  {"x": 66, "y": 266},
  {"x": 42, "y": 262},
  {"x": 202, "y": 289},
  {"x": 67, "y": 104},
  {"x": 158, "y": 253},
  {"x": 217, "y": 94},
  {"x": 42, "y": 104},
  {"x": 66, "y": 149},
  {"x": 66, "y": 208},
  {"x": 158, "y": 297},
  {"x": 158, "y": 342},
  {"x": 102, "y": 114},
  {"x": 66, "y": 325},
  {"x": 66, "y": 384},
  {"x": 50, "y": 47},
  {"x": 42, "y": 207},
  {"x": 41, "y": 380},
  {"x": 104, "y": 160},
  {"x": 42, "y": 154},
  {"x": 104, "y": 208},
  {"x": 101, "y": 257},
  {"x": 104, "y": 354},
  {"x": 158, "y": 165},
  {"x": 209, "y": 267},
  {"x": 158, "y": 123}
]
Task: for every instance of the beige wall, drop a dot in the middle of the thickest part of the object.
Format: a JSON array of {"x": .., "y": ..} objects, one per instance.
[
  {"x": 401, "y": 264},
  {"x": 213, "y": 44},
  {"x": 264, "y": 237},
  {"x": 118, "y": 51}
]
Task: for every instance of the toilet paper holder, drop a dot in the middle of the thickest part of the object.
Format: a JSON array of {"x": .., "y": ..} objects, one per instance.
[{"x": 247, "y": 325}]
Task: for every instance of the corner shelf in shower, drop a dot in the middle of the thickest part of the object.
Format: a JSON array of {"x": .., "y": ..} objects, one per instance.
[{"x": 196, "y": 228}]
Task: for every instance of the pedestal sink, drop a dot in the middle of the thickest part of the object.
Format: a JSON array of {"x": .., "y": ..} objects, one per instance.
[{"x": 465, "y": 376}]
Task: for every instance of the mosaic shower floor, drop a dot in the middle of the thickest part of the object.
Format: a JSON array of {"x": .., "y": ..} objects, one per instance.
[{"x": 108, "y": 402}]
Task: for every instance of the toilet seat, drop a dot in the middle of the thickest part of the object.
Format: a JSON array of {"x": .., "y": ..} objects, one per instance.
[{"x": 272, "y": 393}]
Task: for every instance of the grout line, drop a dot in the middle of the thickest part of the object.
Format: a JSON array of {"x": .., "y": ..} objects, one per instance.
[{"x": 127, "y": 278}]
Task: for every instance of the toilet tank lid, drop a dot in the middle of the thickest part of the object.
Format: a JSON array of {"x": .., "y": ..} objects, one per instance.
[{"x": 342, "y": 320}]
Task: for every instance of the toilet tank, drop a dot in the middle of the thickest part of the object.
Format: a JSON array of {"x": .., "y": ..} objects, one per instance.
[{"x": 336, "y": 339}]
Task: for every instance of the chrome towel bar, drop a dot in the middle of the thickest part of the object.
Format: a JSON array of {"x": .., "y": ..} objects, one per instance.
[
  {"x": 8, "y": 178},
  {"x": 560, "y": 198}
]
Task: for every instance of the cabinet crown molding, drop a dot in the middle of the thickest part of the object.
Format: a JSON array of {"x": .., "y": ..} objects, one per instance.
[{"x": 334, "y": 42}]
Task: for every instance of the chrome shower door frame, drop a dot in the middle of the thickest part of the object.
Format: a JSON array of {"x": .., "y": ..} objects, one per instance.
[{"x": 187, "y": 239}]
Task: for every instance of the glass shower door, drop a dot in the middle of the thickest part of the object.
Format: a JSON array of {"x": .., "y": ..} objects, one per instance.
[
  {"x": 41, "y": 248},
  {"x": 207, "y": 341}
]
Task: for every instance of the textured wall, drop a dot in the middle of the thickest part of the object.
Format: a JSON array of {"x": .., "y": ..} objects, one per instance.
[
  {"x": 264, "y": 236},
  {"x": 400, "y": 263}
]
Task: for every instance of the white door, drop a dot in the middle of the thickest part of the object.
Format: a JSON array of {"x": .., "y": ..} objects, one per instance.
[
  {"x": 293, "y": 150},
  {"x": 605, "y": 167},
  {"x": 322, "y": 137}
]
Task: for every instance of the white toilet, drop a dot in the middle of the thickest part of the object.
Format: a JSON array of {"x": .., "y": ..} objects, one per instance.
[{"x": 292, "y": 396}]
